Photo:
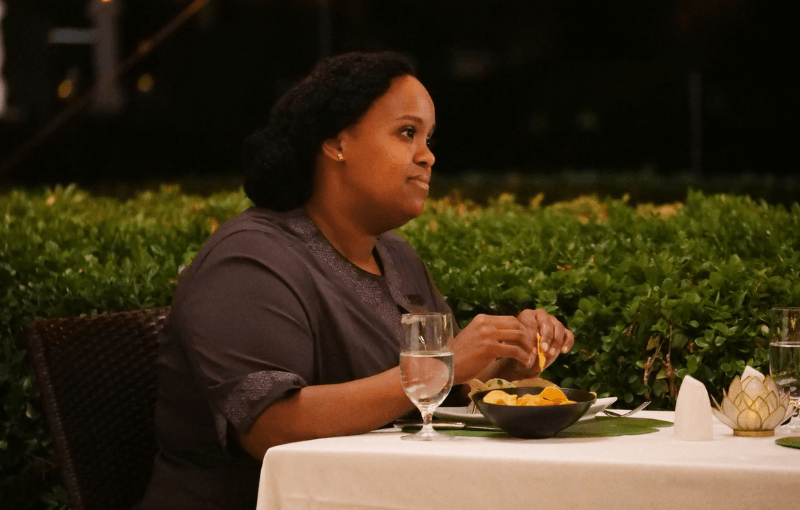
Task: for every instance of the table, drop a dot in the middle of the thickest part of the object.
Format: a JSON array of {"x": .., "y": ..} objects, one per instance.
[{"x": 651, "y": 471}]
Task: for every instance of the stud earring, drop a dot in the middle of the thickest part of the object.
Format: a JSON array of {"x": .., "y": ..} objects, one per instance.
[{"x": 341, "y": 158}]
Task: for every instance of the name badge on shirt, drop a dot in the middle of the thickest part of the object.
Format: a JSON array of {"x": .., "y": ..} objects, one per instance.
[{"x": 415, "y": 299}]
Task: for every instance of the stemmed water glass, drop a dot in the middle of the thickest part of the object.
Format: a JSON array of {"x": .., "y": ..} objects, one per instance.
[
  {"x": 426, "y": 366},
  {"x": 784, "y": 356}
]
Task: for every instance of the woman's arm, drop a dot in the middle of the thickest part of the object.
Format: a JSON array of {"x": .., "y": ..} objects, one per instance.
[
  {"x": 328, "y": 410},
  {"x": 365, "y": 404}
]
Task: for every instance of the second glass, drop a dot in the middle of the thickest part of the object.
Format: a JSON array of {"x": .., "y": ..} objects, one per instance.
[
  {"x": 784, "y": 356},
  {"x": 426, "y": 366}
]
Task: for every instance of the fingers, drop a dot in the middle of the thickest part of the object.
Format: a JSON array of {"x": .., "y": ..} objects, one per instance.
[
  {"x": 530, "y": 318},
  {"x": 497, "y": 321},
  {"x": 559, "y": 336},
  {"x": 516, "y": 340},
  {"x": 547, "y": 330},
  {"x": 531, "y": 325},
  {"x": 487, "y": 338},
  {"x": 555, "y": 338},
  {"x": 510, "y": 342},
  {"x": 499, "y": 328},
  {"x": 539, "y": 322},
  {"x": 515, "y": 352},
  {"x": 569, "y": 342}
]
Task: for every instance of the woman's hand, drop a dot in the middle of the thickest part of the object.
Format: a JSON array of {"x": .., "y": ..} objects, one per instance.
[
  {"x": 555, "y": 338},
  {"x": 488, "y": 338},
  {"x": 506, "y": 347}
]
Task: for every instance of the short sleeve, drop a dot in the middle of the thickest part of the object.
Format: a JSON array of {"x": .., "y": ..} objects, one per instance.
[{"x": 245, "y": 328}]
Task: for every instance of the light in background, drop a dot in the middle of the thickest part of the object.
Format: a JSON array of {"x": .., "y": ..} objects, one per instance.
[
  {"x": 104, "y": 39},
  {"x": 3, "y": 93},
  {"x": 145, "y": 83},
  {"x": 65, "y": 88},
  {"x": 69, "y": 85}
]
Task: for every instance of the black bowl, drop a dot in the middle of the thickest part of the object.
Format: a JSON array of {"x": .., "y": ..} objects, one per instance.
[{"x": 534, "y": 422}]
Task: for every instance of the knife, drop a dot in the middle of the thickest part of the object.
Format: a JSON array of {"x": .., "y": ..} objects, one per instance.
[
  {"x": 437, "y": 424},
  {"x": 446, "y": 425}
]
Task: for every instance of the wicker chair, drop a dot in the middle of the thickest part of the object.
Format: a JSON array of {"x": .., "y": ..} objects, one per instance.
[{"x": 97, "y": 379}]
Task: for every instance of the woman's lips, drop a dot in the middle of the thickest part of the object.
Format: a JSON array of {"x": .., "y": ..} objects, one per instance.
[{"x": 421, "y": 181}]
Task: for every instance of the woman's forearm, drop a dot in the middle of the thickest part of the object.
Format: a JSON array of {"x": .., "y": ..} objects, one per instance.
[{"x": 329, "y": 410}]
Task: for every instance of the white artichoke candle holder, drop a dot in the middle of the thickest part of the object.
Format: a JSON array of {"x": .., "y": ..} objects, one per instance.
[{"x": 754, "y": 406}]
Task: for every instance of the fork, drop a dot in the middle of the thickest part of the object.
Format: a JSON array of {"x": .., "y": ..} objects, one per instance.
[{"x": 634, "y": 411}]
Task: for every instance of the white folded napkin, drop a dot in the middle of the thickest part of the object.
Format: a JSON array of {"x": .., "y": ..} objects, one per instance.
[{"x": 693, "y": 421}]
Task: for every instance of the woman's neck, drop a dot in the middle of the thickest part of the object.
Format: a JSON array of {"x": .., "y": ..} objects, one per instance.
[{"x": 345, "y": 236}]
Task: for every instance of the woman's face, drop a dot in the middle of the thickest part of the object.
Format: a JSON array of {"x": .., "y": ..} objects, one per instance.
[{"x": 387, "y": 162}]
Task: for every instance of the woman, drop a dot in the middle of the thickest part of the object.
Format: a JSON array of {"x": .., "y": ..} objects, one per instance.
[{"x": 286, "y": 325}]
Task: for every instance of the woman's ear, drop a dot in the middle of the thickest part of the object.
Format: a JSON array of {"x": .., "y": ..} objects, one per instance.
[{"x": 332, "y": 148}]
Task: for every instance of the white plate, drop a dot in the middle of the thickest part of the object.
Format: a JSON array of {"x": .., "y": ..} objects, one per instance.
[
  {"x": 599, "y": 405},
  {"x": 461, "y": 413}
]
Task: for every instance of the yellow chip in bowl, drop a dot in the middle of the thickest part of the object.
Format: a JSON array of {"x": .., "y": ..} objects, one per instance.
[
  {"x": 552, "y": 393},
  {"x": 500, "y": 398},
  {"x": 529, "y": 400}
]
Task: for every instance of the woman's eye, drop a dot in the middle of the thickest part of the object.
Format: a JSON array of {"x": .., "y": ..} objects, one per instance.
[
  {"x": 409, "y": 132},
  {"x": 431, "y": 143}
]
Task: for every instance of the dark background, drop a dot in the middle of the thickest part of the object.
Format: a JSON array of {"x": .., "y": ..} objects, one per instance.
[{"x": 522, "y": 87}]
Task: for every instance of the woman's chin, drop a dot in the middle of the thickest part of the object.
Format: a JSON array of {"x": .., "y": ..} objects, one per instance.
[
  {"x": 417, "y": 208},
  {"x": 403, "y": 216}
]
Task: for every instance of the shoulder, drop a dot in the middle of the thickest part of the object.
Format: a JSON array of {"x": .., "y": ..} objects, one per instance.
[
  {"x": 255, "y": 233},
  {"x": 249, "y": 264},
  {"x": 255, "y": 220},
  {"x": 254, "y": 245}
]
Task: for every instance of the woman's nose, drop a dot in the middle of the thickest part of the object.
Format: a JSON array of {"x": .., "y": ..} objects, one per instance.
[{"x": 425, "y": 156}]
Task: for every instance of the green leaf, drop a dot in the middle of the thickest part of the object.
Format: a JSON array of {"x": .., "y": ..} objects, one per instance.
[
  {"x": 717, "y": 280},
  {"x": 679, "y": 340},
  {"x": 722, "y": 328}
]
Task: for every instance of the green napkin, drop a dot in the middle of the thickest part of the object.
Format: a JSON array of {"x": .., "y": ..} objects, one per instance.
[
  {"x": 596, "y": 427},
  {"x": 791, "y": 442}
]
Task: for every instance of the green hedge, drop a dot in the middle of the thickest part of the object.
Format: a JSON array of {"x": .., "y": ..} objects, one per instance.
[
  {"x": 66, "y": 253},
  {"x": 652, "y": 293}
]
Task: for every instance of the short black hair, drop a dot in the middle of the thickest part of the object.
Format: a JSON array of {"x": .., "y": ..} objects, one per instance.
[{"x": 279, "y": 159}]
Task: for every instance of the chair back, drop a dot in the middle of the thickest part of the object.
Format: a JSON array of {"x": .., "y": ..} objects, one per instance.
[{"x": 97, "y": 380}]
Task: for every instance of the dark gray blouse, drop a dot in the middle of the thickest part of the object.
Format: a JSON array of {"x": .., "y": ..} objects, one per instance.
[{"x": 267, "y": 307}]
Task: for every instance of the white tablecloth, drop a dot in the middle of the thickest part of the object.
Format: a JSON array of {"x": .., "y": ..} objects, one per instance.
[{"x": 651, "y": 471}]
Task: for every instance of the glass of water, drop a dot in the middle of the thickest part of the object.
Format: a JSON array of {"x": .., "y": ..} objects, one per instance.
[
  {"x": 784, "y": 356},
  {"x": 426, "y": 366}
]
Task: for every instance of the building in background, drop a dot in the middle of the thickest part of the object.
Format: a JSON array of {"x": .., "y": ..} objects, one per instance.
[
  {"x": 103, "y": 39},
  {"x": 520, "y": 86},
  {"x": 3, "y": 87}
]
